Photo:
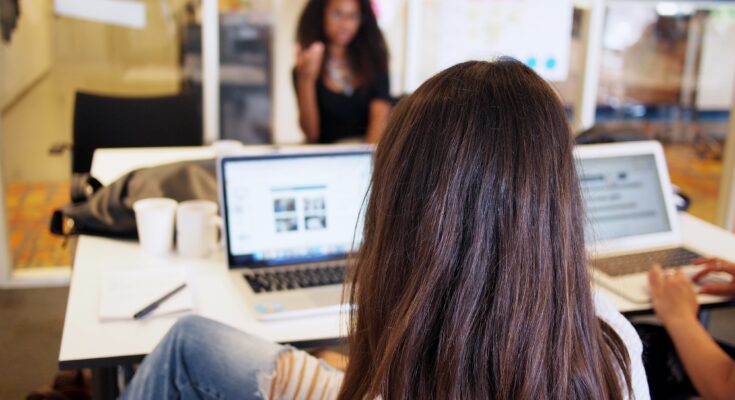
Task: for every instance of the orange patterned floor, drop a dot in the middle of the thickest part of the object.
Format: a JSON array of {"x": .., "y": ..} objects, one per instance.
[
  {"x": 29, "y": 207},
  {"x": 696, "y": 177}
]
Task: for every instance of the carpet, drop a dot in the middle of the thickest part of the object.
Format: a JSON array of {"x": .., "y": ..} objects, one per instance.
[
  {"x": 29, "y": 209},
  {"x": 31, "y": 323}
]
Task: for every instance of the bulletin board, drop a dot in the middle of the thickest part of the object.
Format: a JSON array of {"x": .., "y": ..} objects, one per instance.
[
  {"x": 715, "y": 80},
  {"x": 442, "y": 33}
]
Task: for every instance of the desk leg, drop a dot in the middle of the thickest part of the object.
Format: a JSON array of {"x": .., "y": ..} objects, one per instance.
[{"x": 104, "y": 383}]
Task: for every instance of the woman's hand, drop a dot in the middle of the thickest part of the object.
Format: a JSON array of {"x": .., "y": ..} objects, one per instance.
[
  {"x": 673, "y": 296},
  {"x": 308, "y": 68},
  {"x": 309, "y": 61},
  {"x": 715, "y": 265},
  {"x": 710, "y": 369}
]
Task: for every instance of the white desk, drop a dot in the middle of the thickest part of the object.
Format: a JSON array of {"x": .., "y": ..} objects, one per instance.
[
  {"x": 110, "y": 164},
  {"x": 87, "y": 342}
]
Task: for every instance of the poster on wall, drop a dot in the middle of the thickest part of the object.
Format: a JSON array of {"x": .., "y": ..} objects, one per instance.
[
  {"x": 715, "y": 78},
  {"x": 126, "y": 13},
  {"x": 442, "y": 33}
]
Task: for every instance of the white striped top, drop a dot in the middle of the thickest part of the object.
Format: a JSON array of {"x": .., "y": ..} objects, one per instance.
[{"x": 299, "y": 375}]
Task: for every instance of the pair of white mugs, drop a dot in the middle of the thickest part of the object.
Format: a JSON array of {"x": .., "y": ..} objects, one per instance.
[{"x": 197, "y": 226}]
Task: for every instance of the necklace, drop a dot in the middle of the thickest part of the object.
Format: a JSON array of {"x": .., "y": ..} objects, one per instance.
[{"x": 340, "y": 74}]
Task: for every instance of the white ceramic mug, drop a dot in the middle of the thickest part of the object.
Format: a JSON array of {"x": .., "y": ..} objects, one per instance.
[
  {"x": 227, "y": 147},
  {"x": 154, "y": 218},
  {"x": 197, "y": 228}
]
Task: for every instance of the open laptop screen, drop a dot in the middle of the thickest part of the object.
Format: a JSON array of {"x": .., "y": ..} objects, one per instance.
[
  {"x": 623, "y": 197},
  {"x": 294, "y": 208}
]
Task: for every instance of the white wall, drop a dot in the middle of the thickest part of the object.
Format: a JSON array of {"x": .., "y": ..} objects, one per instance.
[
  {"x": 285, "y": 114},
  {"x": 717, "y": 68},
  {"x": 5, "y": 259},
  {"x": 392, "y": 22},
  {"x": 28, "y": 55},
  {"x": 725, "y": 216}
]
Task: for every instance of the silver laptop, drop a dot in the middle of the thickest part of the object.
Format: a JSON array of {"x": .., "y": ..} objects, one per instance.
[
  {"x": 291, "y": 220},
  {"x": 631, "y": 218}
]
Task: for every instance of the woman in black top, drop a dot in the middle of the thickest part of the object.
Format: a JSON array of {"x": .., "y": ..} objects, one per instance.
[{"x": 341, "y": 72}]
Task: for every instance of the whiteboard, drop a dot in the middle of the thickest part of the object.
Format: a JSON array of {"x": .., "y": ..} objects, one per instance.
[
  {"x": 125, "y": 13},
  {"x": 442, "y": 33},
  {"x": 716, "y": 77}
]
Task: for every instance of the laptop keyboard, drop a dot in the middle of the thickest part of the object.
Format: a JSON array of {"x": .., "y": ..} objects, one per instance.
[
  {"x": 641, "y": 262},
  {"x": 271, "y": 281}
]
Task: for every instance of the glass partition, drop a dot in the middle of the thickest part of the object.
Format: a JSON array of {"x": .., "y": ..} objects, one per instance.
[
  {"x": 146, "y": 48},
  {"x": 666, "y": 72},
  {"x": 245, "y": 57},
  {"x": 45, "y": 60}
]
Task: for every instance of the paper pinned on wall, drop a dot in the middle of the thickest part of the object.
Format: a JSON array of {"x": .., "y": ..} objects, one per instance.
[
  {"x": 442, "y": 33},
  {"x": 123, "y": 292},
  {"x": 127, "y": 13}
]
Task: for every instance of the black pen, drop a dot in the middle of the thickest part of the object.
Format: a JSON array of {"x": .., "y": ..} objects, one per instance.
[{"x": 147, "y": 309}]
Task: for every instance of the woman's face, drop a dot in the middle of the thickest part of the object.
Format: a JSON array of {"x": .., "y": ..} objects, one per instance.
[{"x": 341, "y": 21}]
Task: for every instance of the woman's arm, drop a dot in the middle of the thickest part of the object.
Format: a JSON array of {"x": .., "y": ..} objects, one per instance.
[
  {"x": 308, "y": 68},
  {"x": 378, "y": 118},
  {"x": 710, "y": 369},
  {"x": 334, "y": 358},
  {"x": 308, "y": 109}
]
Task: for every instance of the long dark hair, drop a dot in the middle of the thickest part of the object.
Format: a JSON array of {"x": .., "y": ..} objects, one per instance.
[
  {"x": 367, "y": 52},
  {"x": 471, "y": 281}
]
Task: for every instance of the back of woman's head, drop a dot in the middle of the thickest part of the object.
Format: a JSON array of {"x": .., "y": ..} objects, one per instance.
[
  {"x": 368, "y": 52},
  {"x": 471, "y": 280}
]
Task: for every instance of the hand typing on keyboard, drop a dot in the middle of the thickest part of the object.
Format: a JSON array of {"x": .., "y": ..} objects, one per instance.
[
  {"x": 674, "y": 299},
  {"x": 672, "y": 295}
]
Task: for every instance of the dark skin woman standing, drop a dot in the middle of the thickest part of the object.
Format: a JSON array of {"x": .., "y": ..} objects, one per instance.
[
  {"x": 471, "y": 281},
  {"x": 341, "y": 72}
]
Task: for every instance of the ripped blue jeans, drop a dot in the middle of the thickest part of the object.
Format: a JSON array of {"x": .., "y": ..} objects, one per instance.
[{"x": 202, "y": 359}]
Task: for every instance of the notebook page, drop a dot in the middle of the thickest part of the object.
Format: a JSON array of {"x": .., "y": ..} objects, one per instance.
[{"x": 123, "y": 292}]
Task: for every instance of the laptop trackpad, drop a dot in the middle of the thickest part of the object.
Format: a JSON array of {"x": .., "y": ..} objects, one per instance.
[{"x": 298, "y": 303}]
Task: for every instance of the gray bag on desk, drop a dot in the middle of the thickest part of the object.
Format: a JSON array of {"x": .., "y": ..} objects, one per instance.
[{"x": 109, "y": 210}]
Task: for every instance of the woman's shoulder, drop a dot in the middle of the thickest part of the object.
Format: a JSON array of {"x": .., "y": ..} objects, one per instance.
[
  {"x": 608, "y": 313},
  {"x": 629, "y": 336},
  {"x": 379, "y": 87}
]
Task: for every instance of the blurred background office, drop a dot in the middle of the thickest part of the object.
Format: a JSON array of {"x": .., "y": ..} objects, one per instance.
[{"x": 663, "y": 70}]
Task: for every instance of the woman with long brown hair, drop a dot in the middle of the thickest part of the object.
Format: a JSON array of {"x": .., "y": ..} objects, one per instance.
[{"x": 471, "y": 280}]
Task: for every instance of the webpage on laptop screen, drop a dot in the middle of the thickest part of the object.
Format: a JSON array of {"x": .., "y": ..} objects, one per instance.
[
  {"x": 285, "y": 210},
  {"x": 622, "y": 196}
]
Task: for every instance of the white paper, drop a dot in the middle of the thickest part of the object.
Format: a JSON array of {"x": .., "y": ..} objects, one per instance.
[
  {"x": 446, "y": 32},
  {"x": 125, "y": 13},
  {"x": 124, "y": 292}
]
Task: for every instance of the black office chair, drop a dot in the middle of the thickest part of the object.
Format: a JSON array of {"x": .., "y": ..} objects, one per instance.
[
  {"x": 105, "y": 121},
  {"x": 599, "y": 135}
]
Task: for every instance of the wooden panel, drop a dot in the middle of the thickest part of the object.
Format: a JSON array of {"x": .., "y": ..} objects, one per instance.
[{"x": 27, "y": 57}]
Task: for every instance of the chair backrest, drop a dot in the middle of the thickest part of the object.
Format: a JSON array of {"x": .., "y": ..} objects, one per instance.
[
  {"x": 105, "y": 121},
  {"x": 600, "y": 134}
]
